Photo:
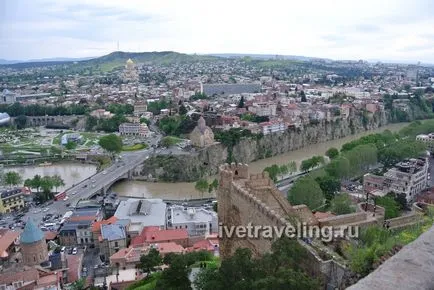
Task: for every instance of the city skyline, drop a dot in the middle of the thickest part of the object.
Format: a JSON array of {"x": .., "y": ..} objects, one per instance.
[{"x": 390, "y": 30}]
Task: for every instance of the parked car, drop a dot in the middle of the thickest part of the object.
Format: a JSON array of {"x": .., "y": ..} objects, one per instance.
[{"x": 74, "y": 251}]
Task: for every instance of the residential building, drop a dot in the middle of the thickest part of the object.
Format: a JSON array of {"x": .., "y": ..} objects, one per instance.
[
  {"x": 101, "y": 114},
  {"x": 272, "y": 127},
  {"x": 142, "y": 213},
  {"x": 210, "y": 244},
  {"x": 33, "y": 278},
  {"x": 9, "y": 245},
  {"x": 197, "y": 221},
  {"x": 11, "y": 200},
  {"x": 78, "y": 229},
  {"x": 409, "y": 177},
  {"x": 96, "y": 229},
  {"x": 427, "y": 139},
  {"x": 134, "y": 129},
  {"x": 263, "y": 109},
  {"x": 113, "y": 238},
  {"x": 140, "y": 109},
  {"x": 151, "y": 235}
]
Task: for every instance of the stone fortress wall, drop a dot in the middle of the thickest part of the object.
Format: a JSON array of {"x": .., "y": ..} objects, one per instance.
[{"x": 244, "y": 199}]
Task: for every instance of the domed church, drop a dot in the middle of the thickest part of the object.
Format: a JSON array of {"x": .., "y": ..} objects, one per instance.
[
  {"x": 202, "y": 135},
  {"x": 33, "y": 245}
]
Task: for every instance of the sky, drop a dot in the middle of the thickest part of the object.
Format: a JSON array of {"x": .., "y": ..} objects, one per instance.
[{"x": 399, "y": 30}]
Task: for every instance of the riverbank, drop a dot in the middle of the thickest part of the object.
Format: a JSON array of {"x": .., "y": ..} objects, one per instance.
[{"x": 181, "y": 190}]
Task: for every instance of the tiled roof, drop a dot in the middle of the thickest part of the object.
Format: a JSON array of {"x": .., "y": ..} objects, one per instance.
[
  {"x": 31, "y": 233},
  {"x": 96, "y": 226},
  {"x": 165, "y": 248},
  {"x": 7, "y": 238},
  {"x": 27, "y": 276},
  {"x": 155, "y": 235}
]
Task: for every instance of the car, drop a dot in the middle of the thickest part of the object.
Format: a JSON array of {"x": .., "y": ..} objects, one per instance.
[
  {"x": 74, "y": 193},
  {"x": 37, "y": 211},
  {"x": 68, "y": 204},
  {"x": 84, "y": 269},
  {"x": 66, "y": 198},
  {"x": 74, "y": 251},
  {"x": 63, "y": 249},
  {"x": 93, "y": 185},
  {"x": 46, "y": 209},
  {"x": 104, "y": 172}
]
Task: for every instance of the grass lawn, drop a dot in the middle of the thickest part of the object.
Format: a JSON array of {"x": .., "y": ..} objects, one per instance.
[
  {"x": 134, "y": 147},
  {"x": 170, "y": 141}
]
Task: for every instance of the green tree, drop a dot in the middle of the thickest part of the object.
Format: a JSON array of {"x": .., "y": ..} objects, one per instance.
[
  {"x": 57, "y": 181},
  {"x": 273, "y": 171},
  {"x": 341, "y": 204},
  {"x": 201, "y": 185},
  {"x": 213, "y": 185},
  {"x": 391, "y": 207},
  {"x": 12, "y": 178},
  {"x": 303, "y": 97},
  {"x": 149, "y": 261},
  {"x": 71, "y": 145},
  {"x": 241, "y": 102},
  {"x": 47, "y": 187},
  {"x": 338, "y": 168},
  {"x": 306, "y": 165},
  {"x": 21, "y": 121},
  {"x": 182, "y": 110},
  {"x": 292, "y": 167},
  {"x": 79, "y": 284},
  {"x": 112, "y": 143},
  {"x": 175, "y": 277},
  {"x": 306, "y": 191},
  {"x": 332, "y": 153},
  {"x": 329, "y": 186}
]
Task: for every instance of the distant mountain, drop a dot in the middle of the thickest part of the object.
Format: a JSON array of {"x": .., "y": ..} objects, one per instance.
[
  {"x": 267, "y": 56},
  {"x": 43, "y": 60},
  {"x": 5, "y": 61},
  {"x": 114, "y": 59}
]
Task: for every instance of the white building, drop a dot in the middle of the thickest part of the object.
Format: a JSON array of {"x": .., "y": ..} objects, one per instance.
[
  {"x": 409, "y": 177},
  {"x": 7, "y": 97},
  {"x": 272, "y": 127},
  {"x": 142, "y": 213},
  {"x": 427, "y": 139},
  {"x": 135, "y": 129},
  {"x": 197, "y": 221},
  {"x": 263, "y": 109},
  {"x": 140, "y": 109}
]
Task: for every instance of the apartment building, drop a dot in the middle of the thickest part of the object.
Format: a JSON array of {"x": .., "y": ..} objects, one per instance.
[
  {"x": 197, "y": 221},
  {"x": 272, "y": 127},
  {"x": 427, "y": 139},
  {"x": 140, "y": 109},
  {"x": 113, "y": 238},
  {"x": 263, "y": 109},
  {"x": 409, "y": 177},
  {"x": 11, "y": 200}
]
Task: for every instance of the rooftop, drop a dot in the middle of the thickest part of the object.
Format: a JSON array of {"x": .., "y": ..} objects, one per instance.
[
  {"x": 147, "y": 212},
  {"x": 113, "y": 232},
  {"x": 181, "y": 214},
  {"x": 31, "y": 233},
  {"x": 155, "y": 235}
]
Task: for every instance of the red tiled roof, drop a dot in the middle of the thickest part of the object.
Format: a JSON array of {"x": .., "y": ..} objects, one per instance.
[
  {"x": 155, "y": 235},
  {"x": 74, "y": 267},
  {"x": 165, "y": 248},
  {"x": 50, "y": 235},
  {"x": 96, "y": 226},
  {"x": 7, "y": 238},
  {"x": 27, "y": 276},
  {"x": 81, "y": 218}
]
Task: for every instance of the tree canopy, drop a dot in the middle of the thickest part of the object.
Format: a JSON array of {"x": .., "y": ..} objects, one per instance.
[
  {"x": 341, "y": 204},
  {"x": 306, "y": 191},
  {"x": 12, "y": 178},
  {"x": 112, "y": 143}
]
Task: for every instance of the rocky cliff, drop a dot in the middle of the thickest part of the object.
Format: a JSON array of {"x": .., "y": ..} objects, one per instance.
[{"x": 206, "y": 161}]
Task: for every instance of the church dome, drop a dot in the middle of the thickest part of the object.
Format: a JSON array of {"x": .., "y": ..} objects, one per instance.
[
  {"x": 129, "y": 61},
  {"x": 31, "y": 233}
]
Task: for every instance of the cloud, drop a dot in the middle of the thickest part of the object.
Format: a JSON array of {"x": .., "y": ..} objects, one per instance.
[{"x": 341, "y": 29}]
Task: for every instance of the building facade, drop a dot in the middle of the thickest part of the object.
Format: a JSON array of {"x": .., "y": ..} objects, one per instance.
[
  {"x": 197, "y": 221},
  {"x": 113, "y": 238},
  {"x": 33, "y": 245},
  {"x": 134, "y": 129},
  {"x": 11, "y": 200}
]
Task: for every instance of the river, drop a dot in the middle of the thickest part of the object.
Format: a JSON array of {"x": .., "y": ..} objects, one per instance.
[
  {"x": 75, "y": 172},
  {"x": 181, "y": 190},
  {"x": 71, "y": 173}
]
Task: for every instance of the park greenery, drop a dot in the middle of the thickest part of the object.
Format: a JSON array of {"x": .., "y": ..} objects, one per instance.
[
  {"x": 111, "y": 143},
  {"x": 17, "y": 109},
  {"x": 135, "y": 147},
  {"x": 175, "y": 276},
  {"x": 177, "y": 125},
  {"x": 156, "y": 106},
  {"x": 306, "y": 191},
  {"x": 282, "y": 268},
  {"x": 275, "y": 171},
  {"x": 232, "y": 137},
  {"x": 254, "y": 118},
  {"x": 12, "y": 178},
  {"x": 168, "y": 141},
  {"x": 342, "y": 204},
  {"x": 311, "y": 163},
  {"x": 106, "y": 125}
]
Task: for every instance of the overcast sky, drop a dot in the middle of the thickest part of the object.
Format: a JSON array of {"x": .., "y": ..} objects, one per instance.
[{"x": 369, "y": 29}]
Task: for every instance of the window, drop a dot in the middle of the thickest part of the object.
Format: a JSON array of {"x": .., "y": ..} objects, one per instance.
[
  {"x": 3, "y": 287},
  {"x": 116, "y": 244}
]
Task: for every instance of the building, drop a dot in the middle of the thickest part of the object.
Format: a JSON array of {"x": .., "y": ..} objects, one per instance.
[
  {"x": 134, "y": 129},
  {"x": 263, "y": 109},
  {"x": 428, "y": 140},
  {"x": 140, "y": 109},
  {"x": 202, "y": 135},
  {"x": 11, "y": 200},
  {"x": 130, "y": 72},
  {"x": 33, "y": 278},
  {"x": 77, "y": 230},
  {"x": 197, "y": 221},
  {"x": 71, "y": 137},
  {"x": 7, "y": 97},
  {"x": 272, "y": 127},
  {"x": 33, "y": 245},
  {"x": 9, "y": 245},
  {"x": 113, "y": 238},
  {"x": 101, "y": 114},
  {"x": 409, "y": 177},
  {"x": 229, "y": 89},
  {"x": 151, "y": 235},
  {"x": 142, "y": 213}
]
